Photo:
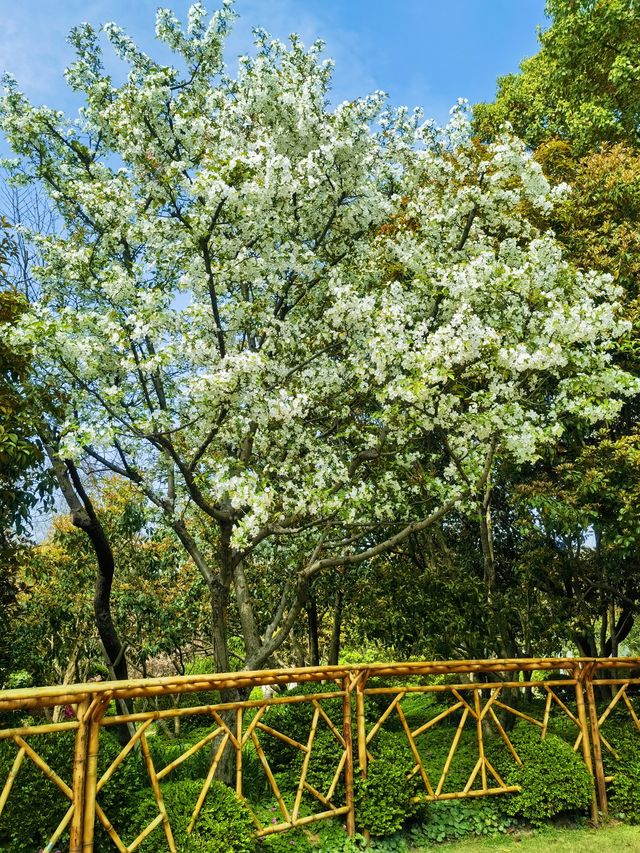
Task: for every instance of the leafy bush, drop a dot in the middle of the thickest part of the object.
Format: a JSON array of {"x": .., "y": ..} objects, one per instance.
[
  {"x": 23, "y": 828},
  {"x": 624, "y": 800},
  {"x": 223, "y": 826},
  {"x": 325, "y": 757},
  {"x": 552, "y": 777},
  {"x": 293, "y": 841},
  {"x": 449, "y": 820},
  {"x": 295, "y": 721},
  {"x": 383, "y": 799},
  {"x": 164, "y": 750}
]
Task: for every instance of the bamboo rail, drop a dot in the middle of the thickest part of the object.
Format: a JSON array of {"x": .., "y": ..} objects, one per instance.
[{"x": 479, "y": 702}]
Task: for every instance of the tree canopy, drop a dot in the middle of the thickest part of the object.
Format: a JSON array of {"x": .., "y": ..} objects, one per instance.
[{"x": 304, "y": 333}]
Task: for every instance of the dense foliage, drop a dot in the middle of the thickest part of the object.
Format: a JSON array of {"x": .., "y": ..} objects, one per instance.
[{"x": 322, "y": 382}]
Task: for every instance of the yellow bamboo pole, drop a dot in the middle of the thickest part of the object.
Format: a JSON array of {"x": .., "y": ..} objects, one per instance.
[
  {"x": 281, "y": 736},
  {"x": 452, "y": 752},
  {"x": 361, "y": 725},
  {"x": 489, "y": 702},
  {"x": 305, "y": 766},
  {"x": 472, "y": 778},
  {"x": 414, "y": 749},
  {"x": 270, "y": 777},
  {"x": 567, "y": 711},
  {"x": 495, "y": 773},
  {"x": 463, "y": 795},
  {"x": 632, "y": 711},
  {"x": 97, "y": 696},
  {"x": 620, "y": 693},
  {"x": 23, "y": 731},
  {"x": 71, "y": 694},
  {"x": 480, "y": 736},
  {"x": 586, "y": 747},
  {"x": 315, "y": 793},
  {"x": 330, "y": 725},
  {"x": 239, "y": 752},
  {"x": 547, "y": 711},
  {"x": 423, "y": 728},
  {"x": 48, "y": 848},
  {"x": 186, "y": 755},
  {"x": 505, "y": 737},
  {"x": 208, "y": 781},
  {"x": 146, "y": 832},
  {"x": 336, "y": 776},
  {"x": 79, "y": 776},
  {"x": 597, "y": 750},
  {"x": 460, "y": 698},
  {"x": 237, "y": 744},
  {"x": 93, "y": 716},
  {"x": 254, "y": 722},
  {"x": 347, "y": 729},
  {"x": 4, "y": 796},
  {"x": 157, "y": 793},
  {"x": 44, "y": 767},
  {"x": 383, "y": 717},
  {"x": 517, "y": 713},
  {"x": 113, "y": 835},
  {"x": 121, "y": 756},
  {"x": 302, "y": 821}
]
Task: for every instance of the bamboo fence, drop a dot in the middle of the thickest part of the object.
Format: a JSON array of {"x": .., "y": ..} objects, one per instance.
[{"x": 479, "y": 695}]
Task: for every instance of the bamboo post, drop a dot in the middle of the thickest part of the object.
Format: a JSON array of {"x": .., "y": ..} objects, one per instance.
[
  {"x": 586, "y": 748},
  {"x": 305, "y": 767},
  {"x": 483, "y": 766},
  {"x": 347, "y": 732},
  {"x": 207, "y": 783},
  {"x": 239, "y": 752},
  {"x": 361, "y": 724},
  {"x": 4, "y": 796},
  {"x": 452, "y": 752},
  {"x": 595, "y": 740},
  {"x": 157, "y": 793},
  {"x": 93, "y": 718},
  {"x": 79, "y": 776}
]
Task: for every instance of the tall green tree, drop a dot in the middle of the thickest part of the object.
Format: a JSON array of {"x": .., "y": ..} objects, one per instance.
[
  {"x": 303, "y": 333},
  {"x": 577, "y": 106}
]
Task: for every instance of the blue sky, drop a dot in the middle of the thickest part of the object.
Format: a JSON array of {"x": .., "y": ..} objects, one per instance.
[{"x": 423, "y": 53}]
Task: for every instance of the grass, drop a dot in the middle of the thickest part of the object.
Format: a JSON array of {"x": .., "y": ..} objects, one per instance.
[{"x": 609, "y": 840}]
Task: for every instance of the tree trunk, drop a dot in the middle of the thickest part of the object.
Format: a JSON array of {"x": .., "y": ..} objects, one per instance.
[
  {"x": 334, "y": 645},
  {"x": 250, "y": 633},
  {"x": 84, "y": 517},
  {"x": 219, "y": 600},
  {"x": 312, "y": 621}
]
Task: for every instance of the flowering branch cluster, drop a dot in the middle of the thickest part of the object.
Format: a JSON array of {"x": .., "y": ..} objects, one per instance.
[{"x": 318, "y": 328}]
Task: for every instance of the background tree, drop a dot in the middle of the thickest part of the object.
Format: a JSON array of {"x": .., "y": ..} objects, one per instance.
[
  {"x": 303, "y": 340},
  {"x": 577, "y": 104}
]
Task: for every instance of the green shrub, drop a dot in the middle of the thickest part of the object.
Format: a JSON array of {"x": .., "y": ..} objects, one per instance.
[
  {"x": 23, "y": 828},
  {"x": 223, "y": 826},
  {"x": 293, "y": 841},
  {"x": 383, "y": 799},
  {"x": 325, "y": 758},
  {"x": 552, "y": 777},
  {"x": 449, "y": 820},
  {"x": 624, "y": 798},
  {"x": 164, "y": 750},
  {"x": 295, "y": 721}
]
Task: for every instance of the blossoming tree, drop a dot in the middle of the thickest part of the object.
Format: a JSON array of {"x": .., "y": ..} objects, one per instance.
[{"x": 303, "y": 332}]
